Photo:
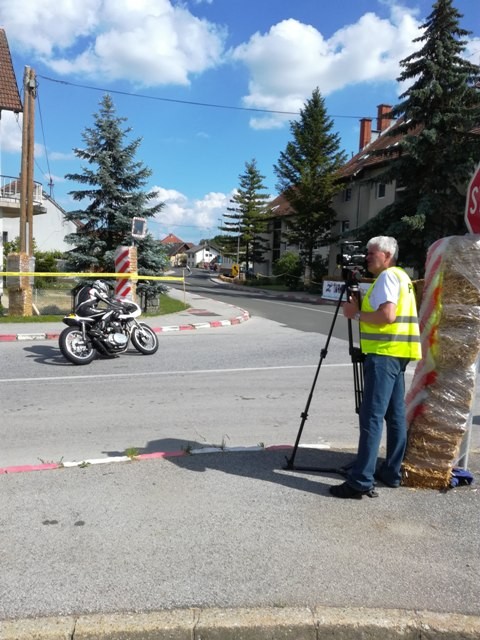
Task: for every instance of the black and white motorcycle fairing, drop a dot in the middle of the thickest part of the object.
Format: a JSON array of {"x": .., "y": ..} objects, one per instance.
[{"x": 107, "y": 332}]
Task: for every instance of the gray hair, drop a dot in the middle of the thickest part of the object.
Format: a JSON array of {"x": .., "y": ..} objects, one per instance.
[{"x": 385, "y": 243}]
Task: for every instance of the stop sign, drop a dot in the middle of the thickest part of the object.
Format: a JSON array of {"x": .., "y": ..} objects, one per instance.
[{"x": 472, "y": 207}]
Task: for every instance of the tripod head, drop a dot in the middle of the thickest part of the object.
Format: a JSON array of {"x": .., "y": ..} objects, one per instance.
[
  {"x": 352, "y": 261},
  {"x": 352, "y": 277}
]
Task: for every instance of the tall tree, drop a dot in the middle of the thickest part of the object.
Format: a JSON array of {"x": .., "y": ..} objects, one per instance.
[
  {"x": 115, "y": 192},
  {"x": 306, "y": 173},
  {"x": 437, "y": 154},
  {"x": 247, "y": 219}
]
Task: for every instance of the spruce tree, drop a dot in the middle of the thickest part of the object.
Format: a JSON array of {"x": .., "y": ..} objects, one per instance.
[
  {"x": 306, "y": 173},
  {"x": 114, "y": 190},
  {"x": 438, "y": 151},
  {"x": 247, "y": 219}
]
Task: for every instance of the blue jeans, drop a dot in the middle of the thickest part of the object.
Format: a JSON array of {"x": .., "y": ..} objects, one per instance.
[{"x": 383, "y": 398}]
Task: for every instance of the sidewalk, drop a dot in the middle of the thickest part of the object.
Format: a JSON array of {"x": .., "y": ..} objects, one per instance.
[
  {"x": 230, "y": 545},
  {"x": 204, "y": 313}
]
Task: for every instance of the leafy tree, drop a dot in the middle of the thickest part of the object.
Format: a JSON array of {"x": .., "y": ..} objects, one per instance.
[
  {"x": 438, "y": 151},
  {"x": 306, "y": 173},
  {"x": 114, "y": 189},
  {"x": 247, "y": 218}
]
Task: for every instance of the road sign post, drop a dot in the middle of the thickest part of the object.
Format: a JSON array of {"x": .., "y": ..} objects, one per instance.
[{"x": 472, "y": 205}]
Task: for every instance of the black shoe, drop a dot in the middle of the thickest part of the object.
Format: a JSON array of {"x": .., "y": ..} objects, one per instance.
[
  {"x": 379, "y": 478},
  {"x": 346, "y": 491}
]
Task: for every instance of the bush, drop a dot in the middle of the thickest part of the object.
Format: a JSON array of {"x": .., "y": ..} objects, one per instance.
[
  {"x": 319, "y": 269},
  {"x": 290, "y": 268}
]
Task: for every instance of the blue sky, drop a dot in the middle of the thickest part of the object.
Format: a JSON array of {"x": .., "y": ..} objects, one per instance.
[{"x": 245, "y": 54}]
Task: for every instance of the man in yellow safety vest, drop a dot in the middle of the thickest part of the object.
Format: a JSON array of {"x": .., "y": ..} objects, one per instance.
[{"x": 389, "y": 338}]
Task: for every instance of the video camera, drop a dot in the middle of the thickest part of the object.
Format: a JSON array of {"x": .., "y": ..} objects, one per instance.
[{"x": 352, "y": 260}]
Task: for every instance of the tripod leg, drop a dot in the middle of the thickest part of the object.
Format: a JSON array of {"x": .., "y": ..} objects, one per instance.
[{"x": 323, "y": 355}]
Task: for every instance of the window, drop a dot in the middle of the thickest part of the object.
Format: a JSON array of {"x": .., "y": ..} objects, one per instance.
[
  {"x": 277, "y": 239},
  {"x": 344, "y": 225},
  {"x": 381, "y": 188},
  {"x": 347, "y": 194}
]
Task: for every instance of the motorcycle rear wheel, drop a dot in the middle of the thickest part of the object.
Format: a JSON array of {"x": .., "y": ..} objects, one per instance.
[
  {"x": 144, "y": 339},
  {"x": 74, "y": 348}
]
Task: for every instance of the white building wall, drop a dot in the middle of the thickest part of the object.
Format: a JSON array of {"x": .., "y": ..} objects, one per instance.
[{"x": 49, "y": 229}]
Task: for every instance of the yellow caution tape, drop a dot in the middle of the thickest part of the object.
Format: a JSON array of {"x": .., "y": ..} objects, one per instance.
[{"x": 99, "y": 276}]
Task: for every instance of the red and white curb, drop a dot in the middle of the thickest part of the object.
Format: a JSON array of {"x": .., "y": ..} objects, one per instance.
[
  {"x": 205, "y": 325},
  {"x": 49, "y": 335},
  {"x": 45, "y": 466}
]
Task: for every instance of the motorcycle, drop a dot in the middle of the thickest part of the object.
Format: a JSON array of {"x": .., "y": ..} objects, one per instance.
[{"x": 108, "y": 333}]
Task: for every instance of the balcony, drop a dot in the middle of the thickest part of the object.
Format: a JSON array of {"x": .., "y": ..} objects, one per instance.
[{"x": 10, "y": 197}]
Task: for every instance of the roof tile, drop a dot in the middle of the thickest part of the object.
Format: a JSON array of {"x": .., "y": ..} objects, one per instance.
[{"x": 9, "y": 95}]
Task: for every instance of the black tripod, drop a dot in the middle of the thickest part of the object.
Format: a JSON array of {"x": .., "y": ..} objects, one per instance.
[{"x": 350, "y": 288}]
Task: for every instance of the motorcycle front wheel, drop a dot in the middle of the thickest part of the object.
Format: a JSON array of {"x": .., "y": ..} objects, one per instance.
[
  {"x": 74, "y": 348},
  {"x": 144, "y": 339}
]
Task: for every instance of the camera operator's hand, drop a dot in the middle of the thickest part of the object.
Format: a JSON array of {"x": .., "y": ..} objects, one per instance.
[{"x": 350, "y": 308}]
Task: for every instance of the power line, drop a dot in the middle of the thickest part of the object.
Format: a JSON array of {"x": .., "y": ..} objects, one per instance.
[
  {"x": 177, "y": 101},
  {"x": 50, "y": 181}
]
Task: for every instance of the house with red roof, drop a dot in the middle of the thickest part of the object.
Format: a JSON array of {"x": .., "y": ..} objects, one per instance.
[{"x": 176, "y": 250}]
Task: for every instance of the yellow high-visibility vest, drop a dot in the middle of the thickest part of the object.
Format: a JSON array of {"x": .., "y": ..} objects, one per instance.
[{"x": 402, "y": 337}]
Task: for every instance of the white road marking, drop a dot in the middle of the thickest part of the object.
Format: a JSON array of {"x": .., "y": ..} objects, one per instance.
[{"x": 167, "y": 373}]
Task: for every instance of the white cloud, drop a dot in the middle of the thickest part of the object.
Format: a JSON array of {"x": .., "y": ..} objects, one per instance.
[
  {"x": 472, "y": 51},
  {"x": 293, "y": 58},
  {"x": 149, "y": 42},
  {"x": 11, "y": 132},
  {"x": 61, "y": 155},
  {"x": 202, "y": 213},
  {"x": 45, "y": 25}
]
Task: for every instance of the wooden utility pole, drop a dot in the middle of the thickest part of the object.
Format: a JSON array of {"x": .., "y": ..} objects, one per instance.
[
  {"x": 20, "y": 291},
  {"x": 26, "y": 176}
]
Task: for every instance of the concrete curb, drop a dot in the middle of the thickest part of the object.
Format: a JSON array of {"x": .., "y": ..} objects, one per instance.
[
  {"x": 48, "y": 466},
  {"x": 266, "y": 623}
]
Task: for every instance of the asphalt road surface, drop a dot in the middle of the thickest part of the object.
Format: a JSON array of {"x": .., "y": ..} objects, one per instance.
[
  {"x": 303, "y": 316},
  {"x": 237, "y": 385},
  {"x": 232, "y": 386}
]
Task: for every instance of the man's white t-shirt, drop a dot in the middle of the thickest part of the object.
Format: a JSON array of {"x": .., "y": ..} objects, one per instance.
[{"x": 385, "y": 289}]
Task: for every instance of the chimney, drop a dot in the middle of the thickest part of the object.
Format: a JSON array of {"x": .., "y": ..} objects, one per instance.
[
  {"x": 384, "y": 117},
  {"x": 365, "y": 132}
]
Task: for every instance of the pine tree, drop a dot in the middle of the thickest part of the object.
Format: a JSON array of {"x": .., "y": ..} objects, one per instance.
[
  {"x": 438, "y": 151},
  {"x": 114, "y": 189},
  {"x": 247, "y": 219},
  {"x": 306, "y": 173}
]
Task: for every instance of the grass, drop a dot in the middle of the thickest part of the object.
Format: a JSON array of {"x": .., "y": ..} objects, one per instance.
[
  {"x": 167, "y": 305},
  {"x": 29, "y": 319}
]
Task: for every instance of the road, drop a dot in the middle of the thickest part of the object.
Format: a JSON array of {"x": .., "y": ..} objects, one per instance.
[
  {"x": 233, "y": 386},
  {"x": 296, "y": 315},
  {"x": 240, "y": 385}
]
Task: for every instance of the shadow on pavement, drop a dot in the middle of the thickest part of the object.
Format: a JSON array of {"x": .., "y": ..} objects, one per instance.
[
  {"x": 47, "y": 354},
  {"x": 264, "y": 465}
]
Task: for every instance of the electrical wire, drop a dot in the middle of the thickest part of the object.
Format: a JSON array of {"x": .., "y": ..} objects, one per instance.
[
  {"x": 50, "y": 181},
  {"x": 177, "y": 101}
]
